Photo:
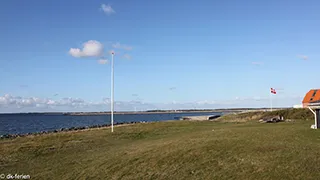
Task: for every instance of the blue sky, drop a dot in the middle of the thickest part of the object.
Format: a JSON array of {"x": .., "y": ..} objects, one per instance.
[{"x": 214, "y": 53}]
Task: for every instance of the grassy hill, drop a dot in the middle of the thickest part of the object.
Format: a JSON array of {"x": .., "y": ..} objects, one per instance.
[
  {"x": 293, "y": 114},
  {"x": 227, "y": 149}
]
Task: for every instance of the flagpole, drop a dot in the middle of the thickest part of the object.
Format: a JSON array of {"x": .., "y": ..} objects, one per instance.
[
  {"x": 270, "y": 99},
  {"x": 112, "y": 90}
]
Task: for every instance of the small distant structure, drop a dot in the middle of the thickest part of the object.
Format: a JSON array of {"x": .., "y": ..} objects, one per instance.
[
  {"x": 298, "y": 106},
  {"x": 312, "y": 102}
]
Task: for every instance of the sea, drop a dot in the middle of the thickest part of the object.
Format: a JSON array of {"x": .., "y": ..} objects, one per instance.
[{"x": 31, "y": 123}]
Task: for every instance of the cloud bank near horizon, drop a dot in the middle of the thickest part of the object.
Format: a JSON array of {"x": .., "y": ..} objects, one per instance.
[{"x": 14, "y": 104}]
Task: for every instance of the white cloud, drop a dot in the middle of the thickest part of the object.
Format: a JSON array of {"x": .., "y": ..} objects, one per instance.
[
  {"x": 304, "y": 57},
  {"x": 10, "y": 103},
  {"x": 107, "y": 9},
  {"x": 122, "y": 46},
  {"x": 238, "y": 102},
  {"x": 51, "y": 102},
  {"x": 102, "y": 61},
  {"x": 205, "y": 102},
  {"x": 75, "y": 52},
  {"x": 105, "y": 100},
  {"x": 3, "y": 101},
  {"x": 91, "y": 48}
]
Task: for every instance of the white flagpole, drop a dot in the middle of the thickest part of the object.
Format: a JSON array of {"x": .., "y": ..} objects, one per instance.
[
  {"x": 270, "y": 100},
  {"x": 112, "y": 90}
]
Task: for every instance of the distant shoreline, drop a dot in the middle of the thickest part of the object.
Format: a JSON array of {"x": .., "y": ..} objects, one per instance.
[
  {"x": 235, "y": 110},
  {"x": 150, "y": 112},
  {"x": 143, "y": 112},
  {"x": 107, "y": 113}
]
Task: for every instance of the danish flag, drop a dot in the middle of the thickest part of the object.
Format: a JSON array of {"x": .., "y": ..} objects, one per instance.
[{"x": 273, "y": 91}]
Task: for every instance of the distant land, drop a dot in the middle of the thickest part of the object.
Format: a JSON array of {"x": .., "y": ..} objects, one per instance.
[
  {"x": 145, "y": 112},
  {"x": 168, "y": 111}
]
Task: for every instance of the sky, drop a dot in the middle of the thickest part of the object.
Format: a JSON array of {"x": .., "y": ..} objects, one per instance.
[{"x": 55, "y": 55}]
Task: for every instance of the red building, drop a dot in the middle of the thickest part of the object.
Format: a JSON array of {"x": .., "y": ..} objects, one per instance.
[{"x": 313, "y": 96}]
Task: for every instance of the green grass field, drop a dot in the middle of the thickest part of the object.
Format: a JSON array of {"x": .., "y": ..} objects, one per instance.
[{"x": 170, "y": 150}]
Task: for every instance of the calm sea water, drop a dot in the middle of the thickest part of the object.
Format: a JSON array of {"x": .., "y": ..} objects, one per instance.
[{"x": 21, "y": 123}]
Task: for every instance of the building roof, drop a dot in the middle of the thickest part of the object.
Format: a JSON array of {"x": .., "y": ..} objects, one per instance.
[{"x": 313, "y": 96}]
